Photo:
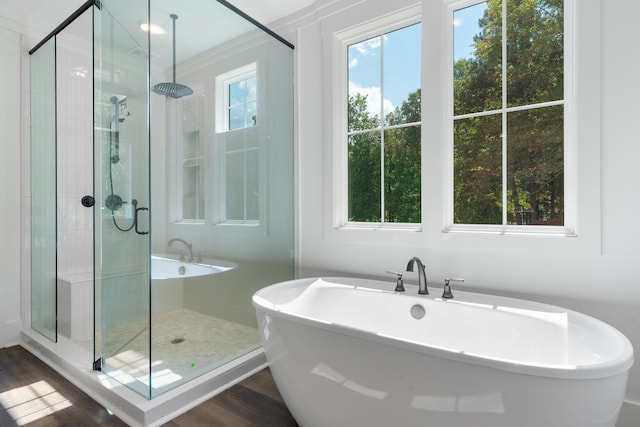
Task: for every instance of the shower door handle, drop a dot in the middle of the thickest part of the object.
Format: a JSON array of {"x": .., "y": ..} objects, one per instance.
[{"x": 135, "y": 220}]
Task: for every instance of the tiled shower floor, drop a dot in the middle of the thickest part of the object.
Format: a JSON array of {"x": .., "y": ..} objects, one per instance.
[{"x": 184, "y": 344}]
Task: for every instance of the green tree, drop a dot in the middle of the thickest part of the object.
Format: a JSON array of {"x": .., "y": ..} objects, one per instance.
[
  {"x": 401, "y": 162},
  {"x": 364, "y": 162},
  {"x": 534, "y": 66}
]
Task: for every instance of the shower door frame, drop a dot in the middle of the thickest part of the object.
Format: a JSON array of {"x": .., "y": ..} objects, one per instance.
[{"x": 122, "y": 286}]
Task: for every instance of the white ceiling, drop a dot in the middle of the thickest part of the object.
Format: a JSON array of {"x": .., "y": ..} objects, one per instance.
[
  {"x": 267, "y": 11},
  {"x": 211, "y": 25},
  {"x": 44, "y": 16}
]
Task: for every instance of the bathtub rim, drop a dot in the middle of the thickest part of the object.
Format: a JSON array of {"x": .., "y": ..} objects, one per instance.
[
  {"x": 620, "y": 364},
  {"x": 217, "y": 266}
]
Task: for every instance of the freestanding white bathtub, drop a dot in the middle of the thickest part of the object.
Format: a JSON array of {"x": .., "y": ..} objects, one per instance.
[{"x": 351, "y": 352}]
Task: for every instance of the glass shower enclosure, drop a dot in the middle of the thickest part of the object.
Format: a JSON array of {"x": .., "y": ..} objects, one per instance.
[{"x": 192, "y": 171}]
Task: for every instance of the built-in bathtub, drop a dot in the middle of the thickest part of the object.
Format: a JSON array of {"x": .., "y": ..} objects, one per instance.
[
  {"x": 75, "y": 292},
  {"x": 168, "y": 274},
  {"x": 351, "y": 352},
  {"x": 168, "y": 266}
]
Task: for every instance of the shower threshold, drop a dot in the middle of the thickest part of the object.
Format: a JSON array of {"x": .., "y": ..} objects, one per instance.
[{"x": 69, "y": 360}]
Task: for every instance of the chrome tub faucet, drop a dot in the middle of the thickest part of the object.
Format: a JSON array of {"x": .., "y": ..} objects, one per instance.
[
  {"x": 189, "y": 247},
  {"x": 422, "y": 277}
]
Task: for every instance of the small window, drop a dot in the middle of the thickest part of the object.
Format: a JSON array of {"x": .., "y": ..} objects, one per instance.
[
  {"x": 383, "y": 138},
  {"x": 242, "y": 103},
  {"x": 237, "y": 108},
  {"x": 508, "y": 113}
]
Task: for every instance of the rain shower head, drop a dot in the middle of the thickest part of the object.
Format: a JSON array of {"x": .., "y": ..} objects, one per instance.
[{"x": 173, "y": 89}]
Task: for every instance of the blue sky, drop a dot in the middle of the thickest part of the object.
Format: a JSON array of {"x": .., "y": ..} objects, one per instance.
[
  {"x": 401, "y": 63},
  {"x": 401, "y": 67},
  {"x": 465, "y": 22}
]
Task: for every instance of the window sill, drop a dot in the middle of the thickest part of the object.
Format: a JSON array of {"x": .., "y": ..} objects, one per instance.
[
  {"x": 515, "y": 230},
  {"x": 241, "y": 223},
  {"x": 189, "y": 222},
  {"x": 377, "y": 226}
]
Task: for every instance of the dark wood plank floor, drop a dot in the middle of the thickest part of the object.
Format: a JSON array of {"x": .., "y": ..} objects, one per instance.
[{"x": 34, "y": 394}]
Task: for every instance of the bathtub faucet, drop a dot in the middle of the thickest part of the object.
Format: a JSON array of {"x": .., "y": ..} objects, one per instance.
[
  {"x": 189, "y": 247},
  {"x": 422, "y": 277}
]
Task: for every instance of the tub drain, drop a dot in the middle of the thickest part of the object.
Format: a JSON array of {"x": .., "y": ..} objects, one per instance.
[
  {"x": 177, "y": 340},
  {"x": 418, "y": 311}
]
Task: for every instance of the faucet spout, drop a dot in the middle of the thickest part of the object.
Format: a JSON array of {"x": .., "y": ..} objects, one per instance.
[
  {"x": 189, "y": 247},
  {"x": 422, "y": 276}
]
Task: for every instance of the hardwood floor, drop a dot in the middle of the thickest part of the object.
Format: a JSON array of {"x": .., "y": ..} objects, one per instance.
[{"x": 34, "y": 394}]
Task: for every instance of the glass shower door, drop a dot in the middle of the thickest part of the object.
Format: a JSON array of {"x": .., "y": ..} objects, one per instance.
[
  {"x": 43, "y": 190},
  {"x": 121, "y": 174}
]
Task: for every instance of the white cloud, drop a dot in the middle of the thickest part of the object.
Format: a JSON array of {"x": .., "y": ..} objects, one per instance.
[
  {"x": 365, "y": 47},
  {"x": 373, "y": 99},
  {"x": 353, "y": 63}
]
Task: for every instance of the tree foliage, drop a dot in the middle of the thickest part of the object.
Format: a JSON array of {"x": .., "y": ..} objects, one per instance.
[
  {"x": 364, "y": 162},
  {"x": 401, "y": 162},
  {"x": 533, "y": 135}
]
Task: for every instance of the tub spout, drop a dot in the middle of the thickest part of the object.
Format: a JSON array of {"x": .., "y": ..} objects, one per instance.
[
  {"x": 189, "y": 247},
  {"x": 422, "y": 277}
]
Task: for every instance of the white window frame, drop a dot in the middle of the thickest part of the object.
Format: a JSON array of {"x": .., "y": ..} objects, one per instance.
[
  {"x": 222, "y": 83},
  {"x": 435, "y": 234},
  {"x": 569, "y": 227},
  {"x": 341, "y": 42}
]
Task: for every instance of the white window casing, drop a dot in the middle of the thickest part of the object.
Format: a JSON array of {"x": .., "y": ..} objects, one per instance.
[
  {"x": 341, "y": 41},
  {"x": 581, "y": 233},
  {"x": 569, "y": 228}
]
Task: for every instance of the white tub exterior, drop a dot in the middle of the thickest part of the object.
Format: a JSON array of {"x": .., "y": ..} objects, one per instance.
[{"x": 348, "y": 352}]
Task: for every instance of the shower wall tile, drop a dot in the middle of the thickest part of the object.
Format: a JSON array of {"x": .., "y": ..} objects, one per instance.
[{"x": 75, "y": 160}]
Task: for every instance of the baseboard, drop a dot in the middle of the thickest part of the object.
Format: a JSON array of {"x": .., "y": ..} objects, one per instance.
[{"x": 10, "y": 333}]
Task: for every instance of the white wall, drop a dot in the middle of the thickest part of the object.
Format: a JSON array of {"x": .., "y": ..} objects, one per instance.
[
  {"x": 10, "y": 190},
  {"x": 598, "y": 274}
]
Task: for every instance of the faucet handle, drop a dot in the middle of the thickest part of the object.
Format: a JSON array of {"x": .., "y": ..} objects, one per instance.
[
  {"x": 399, "y": 283},
  {"x": 447, "y": 287}
]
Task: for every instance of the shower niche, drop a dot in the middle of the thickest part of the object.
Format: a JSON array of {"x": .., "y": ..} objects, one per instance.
[{"x": 162, "y": 187}]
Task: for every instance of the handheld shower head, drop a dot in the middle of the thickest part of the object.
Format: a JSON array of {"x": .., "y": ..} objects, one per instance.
[{"x": 121, "y": 109}]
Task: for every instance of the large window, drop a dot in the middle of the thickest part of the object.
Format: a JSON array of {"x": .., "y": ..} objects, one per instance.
[
  {"x": 508, "y": 113},
  {"x": 383, "y": 132},
  {"x": 188, "y": 154},
  {"x": 238, "y": 155}
]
